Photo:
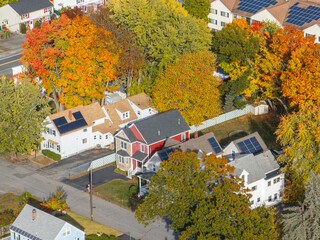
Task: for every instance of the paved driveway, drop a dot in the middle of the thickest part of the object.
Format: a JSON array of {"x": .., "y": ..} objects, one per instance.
[
  {"x": 60, "y": 170},
  {"x": 99, "y": 177}
]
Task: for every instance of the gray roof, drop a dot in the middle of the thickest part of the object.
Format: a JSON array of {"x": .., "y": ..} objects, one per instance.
[
  {"x": 146, "y": 176},
  {"x": 27, "y": 6},
  {"x": 258, "y": 166},
  {"x": 140, "y": 156},
  {"x": 45, "y": 226},
  {"x": 123, "y": 153},
  {"x": 160, "y": 126},
  {"x": 192, "y": 145}
]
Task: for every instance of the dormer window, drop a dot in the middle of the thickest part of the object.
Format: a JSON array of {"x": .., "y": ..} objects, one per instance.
[{"x": 125, "y": 115}]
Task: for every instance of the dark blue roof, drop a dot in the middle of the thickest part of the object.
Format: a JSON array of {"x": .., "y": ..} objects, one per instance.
[
  {"x": 254, "y": 6},
  {"x": 63, "y": 126},
  {"x": 300, "y": 15}
]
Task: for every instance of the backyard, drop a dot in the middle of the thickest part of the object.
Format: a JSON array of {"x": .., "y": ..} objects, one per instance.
[{"x": 228, "y": 131}]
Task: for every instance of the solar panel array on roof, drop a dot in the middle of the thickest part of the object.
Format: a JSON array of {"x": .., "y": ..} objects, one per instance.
[
  {"x": 299, "y": 15},
  {"x": 23, "y": 233},
  {"x": 165, "y": 155},
  {"x": 214, "y": 144},
  {"x": 250, "y": 145},
  {"x": 63, "y": 126},
  {"x": 253, "y": 6}
]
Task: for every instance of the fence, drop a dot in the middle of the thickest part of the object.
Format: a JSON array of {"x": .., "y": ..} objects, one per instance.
[
  {"x": 230, "y": 115},
  {"x": 92, "y": 165},
  {"x": 4, "y": 230}
]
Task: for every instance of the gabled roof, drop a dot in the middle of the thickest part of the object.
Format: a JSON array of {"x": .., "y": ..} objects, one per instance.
[
  {"x": 89, "y": 113},
  {"x": 44, "y": 226},
  {"x": 27, "y": 6},
  {"x": 258, "y": 166},
  {"x": 253, "y": 135},
  {"x": 193, "y": 145},
  {"x": 158, "y": 127}
]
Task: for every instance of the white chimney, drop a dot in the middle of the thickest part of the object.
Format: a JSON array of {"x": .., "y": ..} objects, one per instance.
[{"x": 159, "y": 132}]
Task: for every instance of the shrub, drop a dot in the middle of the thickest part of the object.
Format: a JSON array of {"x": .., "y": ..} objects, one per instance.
[
  {"x": 23, "y": 28},
  {"x": 52, "y": 155},
  {"x": 102, "y": 237},
  {"x": 7, "y": 217},
  {"x": 56, "y": 201},
  {"x": 37, "y": 25},
  {"x": 133, "y": 190}
]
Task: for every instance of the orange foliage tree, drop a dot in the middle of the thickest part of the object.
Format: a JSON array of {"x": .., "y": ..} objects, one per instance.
[
  {"x": 189, "y": 86},
  {"x": 72, "y": 61}
]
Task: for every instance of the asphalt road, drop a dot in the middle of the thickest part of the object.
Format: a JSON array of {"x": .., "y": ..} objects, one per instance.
[
  {"x": 8, "y": 62},
  {"x": 15, "y": 178}
]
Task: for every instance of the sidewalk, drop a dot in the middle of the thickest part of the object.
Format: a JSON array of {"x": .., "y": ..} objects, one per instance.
[{"x": 11, "y": 45}]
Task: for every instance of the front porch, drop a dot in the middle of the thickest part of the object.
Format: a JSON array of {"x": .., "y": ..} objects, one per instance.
[{"x": 146, "y": 178}]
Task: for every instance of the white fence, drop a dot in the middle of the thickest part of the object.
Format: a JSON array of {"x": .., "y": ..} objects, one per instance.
[{"x": 256, "y": 110}]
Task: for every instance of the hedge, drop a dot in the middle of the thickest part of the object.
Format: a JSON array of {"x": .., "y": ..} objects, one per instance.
[
  {"x": 52, "y": 155},
  {"x": 23, "y": 28},
  {"x": 102, "y": 237}
]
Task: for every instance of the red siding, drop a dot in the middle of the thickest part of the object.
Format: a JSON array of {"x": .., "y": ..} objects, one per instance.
[
  {"x": 187, "y": 136},
  {"x": 136, "y": 133},
  {"x": 156, "y": 147},
  {"x": 134, "y": 163},
  {"x": 135, "y": 147},
  {"x": 178, "y": 137}
]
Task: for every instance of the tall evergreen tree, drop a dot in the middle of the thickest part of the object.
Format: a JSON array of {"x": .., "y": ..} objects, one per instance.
[{"x": 302, "y": 222}]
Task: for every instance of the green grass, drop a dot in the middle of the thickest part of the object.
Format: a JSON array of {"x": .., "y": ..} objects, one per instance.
[
  {"x": 228, "y": 131},
  {"x": 118, "y": 192}
]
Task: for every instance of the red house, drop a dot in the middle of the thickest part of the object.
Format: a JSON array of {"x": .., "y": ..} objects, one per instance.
[{"x": 139, "y": 140}]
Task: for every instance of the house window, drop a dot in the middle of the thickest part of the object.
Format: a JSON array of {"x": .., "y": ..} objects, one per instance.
[
  {"x": 53, "y": 132},
  {"x": 223, "y": 24},
  {"x": 84, "y": 141},
  {"x": 243, "y": 178},
  {"x": 183, "y": 137},
  {"x": 224, "y": 14},
  {"x": 278, "y": 179},
  {"x": 254, "y": 188},
  {"x": 121, "y": 159},
  {"x": 138, "y": 112},
  {"x": 153, "y": 167},
  {"x": 67, "y": 231},
  {"x": 252, "y": 202},
  {"x": 123, "y": 145},
  {"x": 58, "y": 148},
  {"x": 100, "y": 137},
  {"x": 85, "y": 130},
  {"x": 274, "y": 181},
  {"x": 142, "y": 148},
  {"x": 47, "y": 10},
  {"x": 95, "y": 137},
  {"x": 235, "y": 16},
  {"x": 125, "y": 115},
  {"x": 25, "y": 16},
  {"x": 80, "y": 1},
  {"x": 318, "y": 39},
  {"x": 214, "y": 11},
  {"x": 269, "y": 198},
  {"x": 275, "y": 197},
  {"x": 269, "y": 183},
  {"x": 106, "y": 136},
  {"x": 258, "y": 199},
  {"x": 127, "y": 160},
  {"x": 309, "y": 35},
  {"x": 213, "y": 21}
]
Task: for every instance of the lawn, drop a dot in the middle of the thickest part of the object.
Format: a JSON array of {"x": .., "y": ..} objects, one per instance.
[
  {"x": 9, "y": 201},
  {"x": 228, "y": 131},
  {"x": 89, "y": 227},
  {"x": 118, "y": 191}
]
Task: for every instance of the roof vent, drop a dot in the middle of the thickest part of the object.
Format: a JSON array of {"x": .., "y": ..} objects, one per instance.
[
  {"x": 159, "y": 132},
  {"x": 70, "y": 115},
  {"x": 34, "y": 214},
  {"x": 179, "y": 121}
]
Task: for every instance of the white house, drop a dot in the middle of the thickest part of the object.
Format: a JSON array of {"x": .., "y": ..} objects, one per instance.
[
  {"x": 301, "y": 14},
  {"x": 85, "y": 5},
  {"x": 25, "y": 11},
  {"x": 256, "y": 165},
  {"x": 32, "y": 223},
  {"x": 84, "y": 127}
]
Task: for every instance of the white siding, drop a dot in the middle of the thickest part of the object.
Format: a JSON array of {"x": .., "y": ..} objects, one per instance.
[
  {"x": 216, "y": 20},
  {"x": 313, "y": 30},
  {"x": 13, "y": 18},
  {"x": 264, "y": 15},
  {"x": 58, "y": 4}
]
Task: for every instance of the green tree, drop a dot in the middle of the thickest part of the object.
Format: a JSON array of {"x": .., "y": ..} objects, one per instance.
[
  {"x": 198, "y": 8},
  {"x": 23, "y": 110},
  {"x": 236, "y": 47},
  {"x": 5, "y": 2},
  {"x": 203, "y": 202},
  {"x": 189, "y": 86},
  {"x": 298, "y": 133},
  {"x": 302, "y": 222},
  {"x": 163, "y": 28}
]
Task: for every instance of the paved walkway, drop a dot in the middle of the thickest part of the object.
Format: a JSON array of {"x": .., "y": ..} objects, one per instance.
[{"x": 14, "y": 178}]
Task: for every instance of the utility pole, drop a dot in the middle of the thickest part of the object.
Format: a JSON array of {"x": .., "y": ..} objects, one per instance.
[{"x": 91, "y": 208}]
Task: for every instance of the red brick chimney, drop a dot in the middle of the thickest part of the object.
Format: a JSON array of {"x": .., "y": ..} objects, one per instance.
[
  {"x": 70, "y": 115},
  {"x": 195, "y": 135}
]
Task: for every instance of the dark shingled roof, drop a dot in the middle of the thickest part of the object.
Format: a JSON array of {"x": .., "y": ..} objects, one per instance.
[
  {"x": 27, "y": 6},
  {"x": 123, "y": 153},
  {"x": 160, "y": 126},
  {"x": 140, "y": 156}
]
